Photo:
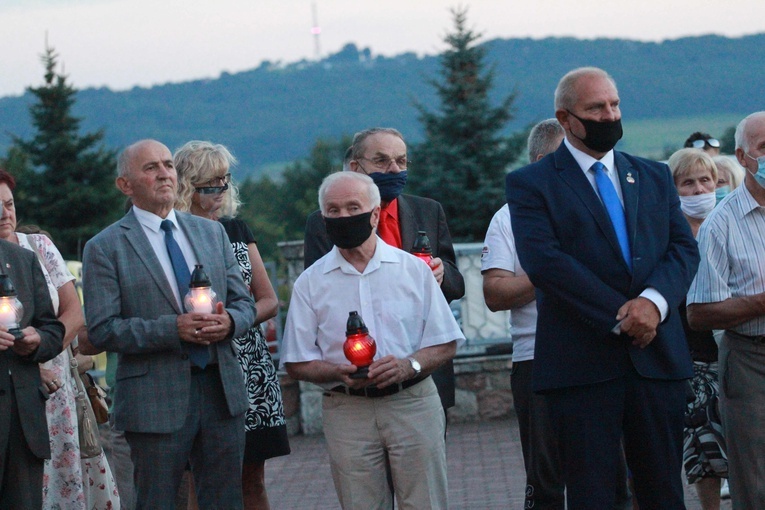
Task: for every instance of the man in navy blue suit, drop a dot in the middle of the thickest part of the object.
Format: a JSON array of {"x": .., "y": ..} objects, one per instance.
[{"x": 602, "y": 238}]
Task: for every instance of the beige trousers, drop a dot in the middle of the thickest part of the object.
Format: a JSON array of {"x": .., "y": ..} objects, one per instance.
[{"x": 409, "y": 427}]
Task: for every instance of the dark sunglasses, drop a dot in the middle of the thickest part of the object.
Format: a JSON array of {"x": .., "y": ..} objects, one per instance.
[
  {"x": 712, "y": 142},
  {"x": 211, "y": 190}
]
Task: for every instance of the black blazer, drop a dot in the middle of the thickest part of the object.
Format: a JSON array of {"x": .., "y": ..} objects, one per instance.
[
  {"x": 414, "y": 213},
  {"x": 27, "y": 277},
  {"x": 568, "y": 247}
]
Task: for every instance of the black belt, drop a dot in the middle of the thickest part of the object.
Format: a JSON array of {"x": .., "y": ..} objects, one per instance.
[
  {"x": 375, "y": 392},
  {"x": 207, "y": 369},
  {"x": 759, "y": 339}
]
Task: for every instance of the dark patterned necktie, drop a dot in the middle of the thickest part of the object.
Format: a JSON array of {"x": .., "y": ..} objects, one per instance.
[{"x": 197, "y": 353}]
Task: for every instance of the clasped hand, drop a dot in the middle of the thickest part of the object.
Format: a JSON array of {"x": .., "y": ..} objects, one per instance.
[
  {"x": 382, "y": 372},
  {"x": 204, "y": 328},
  {"x": 640, "y": 317}
]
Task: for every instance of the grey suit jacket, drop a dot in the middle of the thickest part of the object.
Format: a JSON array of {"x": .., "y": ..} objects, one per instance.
[
  {"x": 27, "y": 277},
  {"x": 130, "y": 309}
]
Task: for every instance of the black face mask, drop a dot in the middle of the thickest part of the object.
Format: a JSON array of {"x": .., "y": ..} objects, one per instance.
[
  {"x": 349, "y": 231},
  {"x": 390, "y": 185},
  {"x": 600, "y": 136}
]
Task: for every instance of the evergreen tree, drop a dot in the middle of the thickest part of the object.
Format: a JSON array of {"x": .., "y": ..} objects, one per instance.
[
  {"x": 463, "y": 160},
  {"x": 70, "y": 191}
]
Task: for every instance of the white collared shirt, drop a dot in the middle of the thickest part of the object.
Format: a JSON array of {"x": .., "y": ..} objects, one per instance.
[
  {"x": 586, "y": 161},
  {"x": 151, "y": 227},
  {"x": 396, "y": 296}
]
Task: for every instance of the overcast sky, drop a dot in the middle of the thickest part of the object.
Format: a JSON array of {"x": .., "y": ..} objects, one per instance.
[{"x": 122, "y": 43}]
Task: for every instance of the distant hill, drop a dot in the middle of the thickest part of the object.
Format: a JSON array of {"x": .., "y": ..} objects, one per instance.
[{"x": 275, "y": 112}]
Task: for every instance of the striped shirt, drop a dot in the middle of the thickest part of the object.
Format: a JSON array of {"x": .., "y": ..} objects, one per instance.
[{"x": 732, "y": 247}]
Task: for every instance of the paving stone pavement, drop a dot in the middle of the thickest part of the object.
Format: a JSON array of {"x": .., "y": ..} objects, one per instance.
[{"x": 485, "y": 469}]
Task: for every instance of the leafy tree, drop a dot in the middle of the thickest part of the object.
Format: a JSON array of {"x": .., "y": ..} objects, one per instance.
[
  {"x": 728, "y": 142},
  {"x": 463, "y": 160},
  {"x": 65, "y": 179},
  {"x": 277, "y": 210}
]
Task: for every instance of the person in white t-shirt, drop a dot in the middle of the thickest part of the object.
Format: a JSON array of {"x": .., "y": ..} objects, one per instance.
[{"x": 506, "y": 287}]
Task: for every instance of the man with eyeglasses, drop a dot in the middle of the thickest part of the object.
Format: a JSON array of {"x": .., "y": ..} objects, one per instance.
[
  {"x": 729, "y": 293},
  {"x": 703, "y": 141},
  {"x": 381, "y": 153}
]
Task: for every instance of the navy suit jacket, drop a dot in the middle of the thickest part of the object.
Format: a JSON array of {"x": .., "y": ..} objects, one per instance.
[{"x": 569, "y": 249}]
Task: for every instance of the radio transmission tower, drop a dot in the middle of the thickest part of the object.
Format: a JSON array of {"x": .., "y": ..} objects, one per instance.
[{"x": 316, "y": 31}]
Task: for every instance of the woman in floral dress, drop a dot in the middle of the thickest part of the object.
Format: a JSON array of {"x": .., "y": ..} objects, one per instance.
[{"x": 66, "y": 485}]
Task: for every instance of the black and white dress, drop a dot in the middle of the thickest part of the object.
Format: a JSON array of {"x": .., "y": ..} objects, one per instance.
[{"x": 264, "y": 421}]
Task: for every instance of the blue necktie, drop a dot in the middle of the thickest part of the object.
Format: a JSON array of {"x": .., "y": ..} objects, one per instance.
[
  {"x": 197, "y": 353},
  {"x": 614, "y": 207}
]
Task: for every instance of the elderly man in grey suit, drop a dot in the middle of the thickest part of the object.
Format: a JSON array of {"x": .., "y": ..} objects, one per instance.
[
  {"x": 180, "y": 393},
  {"x": 24, "y": 439}
]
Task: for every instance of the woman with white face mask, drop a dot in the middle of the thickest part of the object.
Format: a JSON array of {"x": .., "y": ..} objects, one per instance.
[{"x": 695, "y": 175}]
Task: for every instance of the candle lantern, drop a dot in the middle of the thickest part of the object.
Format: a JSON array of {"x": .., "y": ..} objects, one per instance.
[
  {"x": 11, "y": 309},
  {"x": 359, "y": 346},
  {"x": 421, "y": 247},
  {"x": 200, "y": 298}
]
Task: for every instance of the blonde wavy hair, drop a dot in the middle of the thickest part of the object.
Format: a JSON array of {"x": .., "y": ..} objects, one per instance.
[{"x": 198, "y": 162}]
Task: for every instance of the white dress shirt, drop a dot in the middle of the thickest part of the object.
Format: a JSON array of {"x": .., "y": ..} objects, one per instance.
[
  {"x": 396, "y": 296},
  {"x": 151, "y": 227}
]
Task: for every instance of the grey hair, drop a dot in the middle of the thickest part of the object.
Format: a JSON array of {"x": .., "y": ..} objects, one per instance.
[
  {"x": 734, "y": 170},
  {"x": 741, "y": 139},
  {"x": 198, "y": 162},
  {"x": 684, "y": 160},
  {"x": 565, "y": 92},
  {"x": 544, "y": 138},
  {"x": 359, "y": 139},
  {"x": 373, "y": 193}
]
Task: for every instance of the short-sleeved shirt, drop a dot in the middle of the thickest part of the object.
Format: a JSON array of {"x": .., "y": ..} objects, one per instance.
[
  {"x": 396, "y": 296},
  {"x": 499, "y": 253},
  {"x": 732, "y": 247}
]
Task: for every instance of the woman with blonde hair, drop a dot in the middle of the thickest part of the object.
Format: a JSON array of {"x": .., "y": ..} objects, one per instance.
[
  {"x": 205, "y": 189},
  {"x": 696, "y": 177}
]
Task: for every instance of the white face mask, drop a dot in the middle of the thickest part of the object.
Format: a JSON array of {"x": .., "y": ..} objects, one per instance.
[{"x": 698, "y": 206}]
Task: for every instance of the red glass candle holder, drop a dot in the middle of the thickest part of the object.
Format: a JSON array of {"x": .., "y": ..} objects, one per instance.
[{"x": 359, "y": 346}]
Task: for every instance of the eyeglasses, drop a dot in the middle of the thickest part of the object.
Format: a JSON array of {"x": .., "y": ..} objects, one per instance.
[
  {"x": 712, "y": 142},
  {"x": 211, "y": 190},
  {"x": 216, "y": 181},
  {"x": 384, "y": 162},
  {"x": 214, "y": 185}
]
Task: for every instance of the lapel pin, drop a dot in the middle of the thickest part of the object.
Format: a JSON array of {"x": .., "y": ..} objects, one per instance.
[
  {"x": 7, "y": 265},
  {"x": 630, "y": 179}
]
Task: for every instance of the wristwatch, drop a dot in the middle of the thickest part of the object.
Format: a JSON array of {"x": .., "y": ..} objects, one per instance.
[{"x": 415, "y": 366}]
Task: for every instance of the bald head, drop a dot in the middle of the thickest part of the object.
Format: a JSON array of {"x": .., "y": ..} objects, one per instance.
[{"x": 146, "y": 174}]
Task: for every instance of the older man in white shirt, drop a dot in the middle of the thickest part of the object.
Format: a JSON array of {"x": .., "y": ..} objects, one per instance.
[{"x": 395, "y": 411}]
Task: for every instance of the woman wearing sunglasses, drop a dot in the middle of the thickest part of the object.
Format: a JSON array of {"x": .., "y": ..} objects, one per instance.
[{"x": 205, "y": 189}]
